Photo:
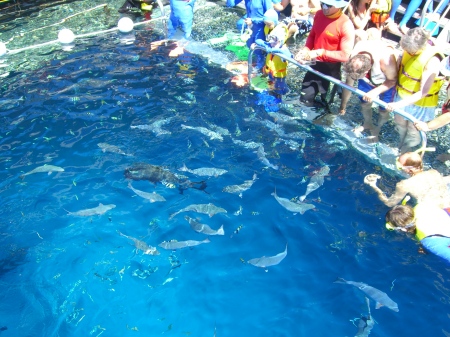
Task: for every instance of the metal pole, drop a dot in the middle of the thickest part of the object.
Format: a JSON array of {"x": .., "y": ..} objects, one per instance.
[
  {"x": 356, "y": 91},
  {"x": 424, "y": 11}
]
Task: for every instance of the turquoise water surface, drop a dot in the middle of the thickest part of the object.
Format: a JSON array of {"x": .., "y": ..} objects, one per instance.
[{"x": 68, "y": 275}]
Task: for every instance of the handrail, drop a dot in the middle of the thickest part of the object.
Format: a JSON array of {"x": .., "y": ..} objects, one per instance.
[
  {"x": 424, "y": 11},
  {"x": 342, "y": 85}
]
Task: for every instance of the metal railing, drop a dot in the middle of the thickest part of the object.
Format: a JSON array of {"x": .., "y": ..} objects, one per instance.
[
  {"x": 437, "y": 22},
  {"x": 341, "y": 84}
]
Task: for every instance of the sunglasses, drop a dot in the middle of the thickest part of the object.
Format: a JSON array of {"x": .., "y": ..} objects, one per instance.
[
  {"x": 325, "y": 6},
  {"x": 391, "y": 227}
]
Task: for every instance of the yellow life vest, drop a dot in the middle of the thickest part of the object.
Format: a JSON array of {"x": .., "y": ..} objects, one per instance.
[
  {"x": 275, "y": 66},
  {"x": 267, "y": 30},
  {"x": 431, "y": 220},
  {"x": 410, "y": 74}
]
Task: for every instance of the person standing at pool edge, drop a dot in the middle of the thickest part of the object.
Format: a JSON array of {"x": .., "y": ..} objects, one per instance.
[
  {"x": 373, "y": 64},
  {"x": 181, "y": 15},
  {"x": 418, "y": 85},
  {"x": 330, "y": 42}
]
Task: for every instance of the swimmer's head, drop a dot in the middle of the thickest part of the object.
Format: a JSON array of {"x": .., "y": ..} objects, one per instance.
[
  {"x": 415, "y": 40},
  {"x": 271, "y": 18},
  {"x": 358, "y": 66},
  {"x": 373, "y": 34},
  {"x": 401, "y": 218},
  {"x": 410, "y": 162}
]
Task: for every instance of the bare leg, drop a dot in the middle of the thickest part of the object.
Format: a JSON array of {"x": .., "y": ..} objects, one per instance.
[
  {"x": 412, "y": 138},
  {"x": 366, "y": 110},
  {"x": 402, "y": 129},
  {"x": 383, "y": 117}
]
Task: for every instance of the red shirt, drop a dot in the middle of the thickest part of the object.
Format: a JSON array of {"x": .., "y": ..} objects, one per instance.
[{"x": 335, "y": 36}]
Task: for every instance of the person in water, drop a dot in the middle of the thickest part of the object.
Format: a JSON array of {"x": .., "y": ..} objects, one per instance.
[
  {"x": 429, "y": 223},
  {"x": 425, "y": 186}
]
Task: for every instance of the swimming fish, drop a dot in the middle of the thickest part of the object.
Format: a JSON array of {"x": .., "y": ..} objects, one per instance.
[
  {"x": 211, "y": 134},
  {"x": 247, "y": 145},
  {"x": 238, "y": 189},
  {"x": 262, "y": 157},
  {"x": 292, "y": 206},
  {"x": 155, "y": 127},
  {"x": 365, "y": 324},
  {"x": 381, "y": 298},
  {"x": 209, "y": 209},
  {"x": 202, "y": 228},
  {"x": 44, "y": 168},
  {"x": 111, "y": 148},
  {"x": 157, "y": 174},
  {"x": 316, "y": 181},
  {"x": 204, "y": 171},
  {"x": 283, "y": 118},
  {"x": 152, "y": 197},
  {"x": 264, "y": 261},
  {"x": 141, "y": 245},
  {"x": 220, "y": 130},
  {"x": 99, "y": 210},
  {"x": 173, "y": 244}
]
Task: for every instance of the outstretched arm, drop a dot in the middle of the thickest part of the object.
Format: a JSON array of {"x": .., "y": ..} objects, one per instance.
[{"x": 394, "y": 199}]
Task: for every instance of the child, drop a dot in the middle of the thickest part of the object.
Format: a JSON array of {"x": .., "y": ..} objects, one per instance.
[
  {"x": 255, "y": 20},
  {"x": 181, "y": 14},
  {"x": 275, "y": 66}
]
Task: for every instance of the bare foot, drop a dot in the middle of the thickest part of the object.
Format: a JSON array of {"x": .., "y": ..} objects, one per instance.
[
  {"x": 392, "y": 28},
  {"x": 362, "y": 128},
  {"x": 358, "y": 129},
  {"x": 375, "y": 132},
  {"x": 404, "y": 29},
  {"x": 370, "y": 140}
]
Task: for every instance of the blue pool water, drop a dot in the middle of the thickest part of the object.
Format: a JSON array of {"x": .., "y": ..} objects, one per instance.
[{"x": 63, "y": 275}]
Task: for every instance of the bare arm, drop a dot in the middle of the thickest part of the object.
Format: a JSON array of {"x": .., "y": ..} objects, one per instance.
[
  {"x": 398, "y": 195},
  {"x": 429, "y": 74},
  {"x": 345, "y": 47},
  {"x": 357, "y": 21},
  {"x": 434, "y": 124},
  {"x": 280, "y": 6},
  {"x": 314, "y": 5}
]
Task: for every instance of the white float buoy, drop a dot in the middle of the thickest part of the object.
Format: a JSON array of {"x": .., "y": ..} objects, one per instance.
[
  {"x": 2, "y": 49},
  {"x": 66, "y": 36},
  {"x": 125, "y": 25}
]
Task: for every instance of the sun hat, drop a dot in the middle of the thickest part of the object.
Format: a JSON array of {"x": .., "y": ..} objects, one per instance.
[
  {"x": 271, "y": 15},
  {"x": 335, "y": 3},
  {"x": 445, "y": 66},
  {"x": 278, "y": 33}
]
